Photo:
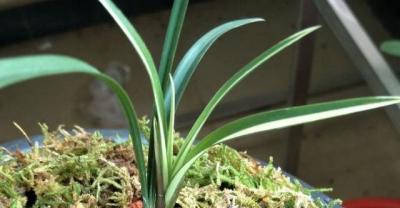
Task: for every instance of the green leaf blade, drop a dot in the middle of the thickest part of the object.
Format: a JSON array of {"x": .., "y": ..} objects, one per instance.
[
  {"x": 287, "y": 117},
  {"x": 171, "y": 127},
  {"x": 145, "y": 55},
  {"x": 156, "y": 85},
  {"x": 19, "y": 69},
  {"x": 172, "y": 38},
  {"x": 276, "y": 119},
  {"x": 130, "y": 32},
  {"x": 229, "y": 85},
  {"x": 161, "y": 160},
  {"x": 194, "y": 55},
  {"x": 391, "y": 47}
]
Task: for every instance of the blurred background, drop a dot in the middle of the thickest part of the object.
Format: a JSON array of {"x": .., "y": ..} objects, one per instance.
[{"x": 356, "y": 155}]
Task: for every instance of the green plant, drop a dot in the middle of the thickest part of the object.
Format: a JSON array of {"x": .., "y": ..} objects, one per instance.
[
  {"x": 391, "y": 47},
  {"x": 161, "y": 178}
]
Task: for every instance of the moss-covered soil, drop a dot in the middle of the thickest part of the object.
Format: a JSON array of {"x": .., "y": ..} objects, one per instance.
[{"x": 82, "y": 170}]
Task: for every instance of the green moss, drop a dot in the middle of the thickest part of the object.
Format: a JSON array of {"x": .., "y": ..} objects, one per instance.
[
  {"x": 78, "y": 169},
  {"x": 86, "y": 170},
  {"x": 224, "y": 177}
]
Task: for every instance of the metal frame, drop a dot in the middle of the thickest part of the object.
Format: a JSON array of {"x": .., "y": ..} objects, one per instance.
[
  {"x": 361, "y": 50},
  {"x": 298, "y": 91}
]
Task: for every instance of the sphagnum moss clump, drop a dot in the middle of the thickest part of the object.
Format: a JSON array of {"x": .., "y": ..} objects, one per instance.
[
  {"x": 162, "y": 168},
  {"x": 71, "y": 169},
  {"x": 84, "y": 170}
]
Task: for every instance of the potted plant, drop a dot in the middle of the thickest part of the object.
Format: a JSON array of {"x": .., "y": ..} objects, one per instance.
[{"x": 82, "y": 169}]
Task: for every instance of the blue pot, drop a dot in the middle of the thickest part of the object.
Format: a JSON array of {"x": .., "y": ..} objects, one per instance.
[{"x": 121, "y": 135}]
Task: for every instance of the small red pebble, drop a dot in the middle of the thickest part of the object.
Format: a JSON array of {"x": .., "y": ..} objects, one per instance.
[{"x": 136, "y": 204}]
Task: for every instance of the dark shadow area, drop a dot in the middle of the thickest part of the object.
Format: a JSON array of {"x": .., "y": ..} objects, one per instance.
[
  {"x": 49, "y": 17},
  {"x": 388, "y": 12}
]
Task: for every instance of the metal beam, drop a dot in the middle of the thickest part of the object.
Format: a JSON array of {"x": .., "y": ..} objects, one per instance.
[
  {"x": 300, "y": 83},
  {"x": 362, "y": 51}
]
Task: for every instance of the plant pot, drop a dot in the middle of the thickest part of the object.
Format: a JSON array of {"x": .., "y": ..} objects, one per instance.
[{"x": 119, "y": 136}]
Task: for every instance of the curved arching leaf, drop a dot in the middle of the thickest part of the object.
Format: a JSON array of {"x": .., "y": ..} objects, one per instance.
[
  {"x": 194, "y": 55},
  {"x": 19, "y": 69},
  {"x": 145, "y": 55},
  {"x": 286, "y": 117},
  {"x": 276, "y": 119},
  {"x": 229, "y": 85}
]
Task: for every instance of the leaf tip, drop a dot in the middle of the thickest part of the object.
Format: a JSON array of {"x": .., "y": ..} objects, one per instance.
[
  {"x": 259, "y": 19},
  {"x": 251, "y": 20},
  {"x": 315, "y": 27}
]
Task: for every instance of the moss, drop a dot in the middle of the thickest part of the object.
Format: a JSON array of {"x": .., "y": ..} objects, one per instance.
[
  {"x": 81, "y": 170},
  {"x": 224, "y": 177}
]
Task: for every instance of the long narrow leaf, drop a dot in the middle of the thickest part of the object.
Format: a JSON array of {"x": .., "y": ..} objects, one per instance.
[
  {"x": 289, "y": 117},
  {"x": 132, "y": 35},
  {"x": 151, "y": 168},
  {"x": 172, "y": 38},
  {"x": 274, "y": 120},
  {"x": 146, "y": 58},
  {"x": 155, "y": 81},
  {"x": 192, "y": 58},
  {"x": 161, "y": 162},
  {"x": 170, "y": 138},
  {"x": 228, "y": 86},
  {"x": 166, "y": 63},
  {"x": 19, "y": 69}
]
